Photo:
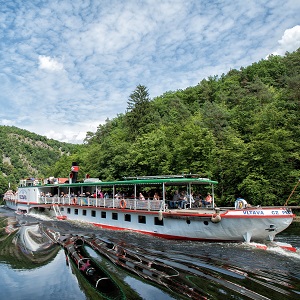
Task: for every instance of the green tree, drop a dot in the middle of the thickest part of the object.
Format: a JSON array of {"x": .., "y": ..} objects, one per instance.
[
  {"x": 151, "y": 154},
  {"x": 193, "y": 149},
  {"x": 138, "y": 111},
  {"x": 3, "y": 185}
]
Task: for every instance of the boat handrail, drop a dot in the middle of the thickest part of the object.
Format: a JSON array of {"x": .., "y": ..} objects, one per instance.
[{"x": 132, "y": 204}]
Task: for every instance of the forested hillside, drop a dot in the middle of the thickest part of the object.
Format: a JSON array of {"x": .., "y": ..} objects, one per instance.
[
  {"x": 241, "y": 129},
  {"x": 25, "y": 154}
]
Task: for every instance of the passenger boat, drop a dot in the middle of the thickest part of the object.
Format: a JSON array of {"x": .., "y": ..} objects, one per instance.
[
  {"x": 96, "y": 276},
  {"x": 116, "y": 205}
]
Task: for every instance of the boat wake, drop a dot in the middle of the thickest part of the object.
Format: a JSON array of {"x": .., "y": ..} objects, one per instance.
[
  {"x": 276, "y": 247},
  {"x": 39, "y": 216}
]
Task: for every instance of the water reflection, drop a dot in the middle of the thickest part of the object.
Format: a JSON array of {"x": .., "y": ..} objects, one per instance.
[
  {"x": 142, "y": 289},
  {"x": 25, "y": 246},
  {"x": 47, "y": 282},
  {"x": 33, "y": 267}
]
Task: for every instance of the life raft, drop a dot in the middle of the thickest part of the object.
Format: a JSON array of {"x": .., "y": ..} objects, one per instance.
[
  {"x": 160, "y": 215},
  {"x": 123, "y": 203}
]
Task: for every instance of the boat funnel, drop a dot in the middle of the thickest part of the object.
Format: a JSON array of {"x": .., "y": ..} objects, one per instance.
[{"x": 74, "y": 172}]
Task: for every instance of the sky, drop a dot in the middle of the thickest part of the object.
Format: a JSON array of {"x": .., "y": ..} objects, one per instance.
[{"x": 67, "y": 66}]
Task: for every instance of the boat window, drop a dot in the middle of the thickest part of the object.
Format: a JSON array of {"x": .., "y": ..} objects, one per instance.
[
  {"x": 62, "y": 209},
  {"x": 115, "y": 216},
  {"x": 103, "y": 214},
  {"x": 84, "y": 212},
  {"x": 127, "y": 217},
  {"x": 68, "y": 210},
  {"x": 158, "y": 222},
  {"x": 76, "y": 211},
  {"x": 142, "y": 219},
  {"x": 93, "y": 213}
]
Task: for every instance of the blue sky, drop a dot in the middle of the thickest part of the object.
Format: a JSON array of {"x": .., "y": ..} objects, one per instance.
[{"x": 66, "y": 66}]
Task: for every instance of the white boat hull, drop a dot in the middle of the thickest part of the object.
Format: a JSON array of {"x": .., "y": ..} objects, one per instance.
[
  {"x": 151, "y": 216},
  {"x": 234, "y": 225}
]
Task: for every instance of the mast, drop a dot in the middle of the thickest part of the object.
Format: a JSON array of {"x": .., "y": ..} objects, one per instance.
[{"x": 286, "y": 202}]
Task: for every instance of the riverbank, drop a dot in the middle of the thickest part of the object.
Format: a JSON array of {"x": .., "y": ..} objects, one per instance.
[{"x": 296, "y": 219}]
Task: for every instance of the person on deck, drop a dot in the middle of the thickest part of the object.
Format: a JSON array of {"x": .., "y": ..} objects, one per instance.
[
  {"x": 208, "y": 200},
  {"x": 182, "y": 201},
  {"x": 118, "y": 195},
  {"x": 156, "y": 196},
  {"x": 100, "y": 194},
  {"x": 172, "y": 204},
  {"x": 198, "y": 200},
  {"x": 141, "y": 196},
  {"x": 190, "y": 200}
]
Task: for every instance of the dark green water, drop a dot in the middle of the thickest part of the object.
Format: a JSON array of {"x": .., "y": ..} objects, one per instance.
[{"x": 219, "y": 270}]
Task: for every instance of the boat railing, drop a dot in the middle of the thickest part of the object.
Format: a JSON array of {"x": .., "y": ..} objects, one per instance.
[
  {"x": 11, "y": 197},
  {"x": 133, "y": 204}
]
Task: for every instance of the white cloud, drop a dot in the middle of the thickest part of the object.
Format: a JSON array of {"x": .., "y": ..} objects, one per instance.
[
  {"x": 67, "y": 66},
  {"x": 48, "y": 63},
  {"x": 67, "y": 135},
  {"x": 290, "y": 40},
  {"x": 7, "y": 122}
]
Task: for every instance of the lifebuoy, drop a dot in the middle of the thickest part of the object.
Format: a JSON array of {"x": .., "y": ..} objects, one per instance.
[
  {"x": 216, "y": 218},
  {"x": 74, "y": 200},
  {"x": 123, "y": 203},
  {"x": 240, "y": 203}
]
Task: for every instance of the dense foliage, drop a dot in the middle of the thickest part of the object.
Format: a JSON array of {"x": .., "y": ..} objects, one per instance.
[
  {"x": 241, "y": 129},
  {"x": 25, "y": 155}
]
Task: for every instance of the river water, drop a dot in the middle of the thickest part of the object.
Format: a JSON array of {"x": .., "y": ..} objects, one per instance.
[{"x": 219, "y": 270}]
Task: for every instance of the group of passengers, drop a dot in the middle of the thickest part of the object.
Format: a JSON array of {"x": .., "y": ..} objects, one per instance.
[
  {"x": 141, "y": 197},
  {"x": 179, "y": 200},
  {"x": 200, "y": 202},
  {"x": 155, "y": 196},
  {"x": 87, "y": 194},
  {"x": 182, "y": 200},
  {"x": 48, "y": 194}
]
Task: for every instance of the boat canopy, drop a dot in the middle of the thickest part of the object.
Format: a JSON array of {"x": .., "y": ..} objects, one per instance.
[{"x": 142, "y": 181}]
